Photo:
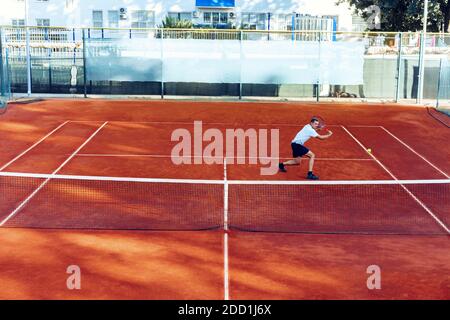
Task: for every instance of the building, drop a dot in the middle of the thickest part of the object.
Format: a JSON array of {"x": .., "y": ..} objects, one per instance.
[{"x": 241, "y": 14}]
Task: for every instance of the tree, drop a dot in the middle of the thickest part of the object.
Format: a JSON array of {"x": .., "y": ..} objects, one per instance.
[{"x": 406, "y": 15}]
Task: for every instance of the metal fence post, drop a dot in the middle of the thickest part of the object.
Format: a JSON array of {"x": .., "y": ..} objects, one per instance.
[
  {"x": 293, "y": 27},
  {"x": 49, "y": 56},
  {"x": 27, "y": 35},
  {"x": 320, "y": 72},
  {"x": 421, "y": 74},
  {"x": 162, "y": 63},
  {"x": 439, "y": 83},
  {"x": 2, "y": 78},
  {"x": 74, "y": 47},
  {"x": 399, "y": 63},
  {"x": 84, "y": 64},
  {"x": 240, "y": 65}
]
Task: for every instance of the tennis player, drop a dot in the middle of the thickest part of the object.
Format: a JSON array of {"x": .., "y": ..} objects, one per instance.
[{"x": 299, "y": 150}]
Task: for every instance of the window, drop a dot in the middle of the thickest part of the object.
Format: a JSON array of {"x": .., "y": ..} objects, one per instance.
[
  {"x": 18, "y": 22},
  {"x": 97, "y": 19},
  {"x": 207, "y": 17},
  {"x": 334, "y": 19},
  {"x": 313, "y": 23},
  {"x": 254, "y": 21},
  {"x": 224, "y": 17},
  {"x": 142, "y": 19},
  {"x": 43, "y": 22},
  {"x": 181, "y": 15},
  {"x": 113, "y": 18},
  {"x": 215, "y": 18},
  {"x": 281, "y": 21},
  {"x": 358, "y": 23}
]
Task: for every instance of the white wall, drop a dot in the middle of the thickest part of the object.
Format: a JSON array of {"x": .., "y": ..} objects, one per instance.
[
  {"x": 55, "y": 10},
  {"x": 11, "y": 9},
  {"x": 63, "y": 13},
  {"x": 159, "y": 7},
  {"x": 312, "y": 7}
]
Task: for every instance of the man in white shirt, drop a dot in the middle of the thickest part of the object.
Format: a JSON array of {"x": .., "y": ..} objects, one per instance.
[{"x": 299, "y": 150}]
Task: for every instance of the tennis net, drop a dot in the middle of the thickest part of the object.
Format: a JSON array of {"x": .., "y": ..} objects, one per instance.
[{"x": 355, "y": 207}]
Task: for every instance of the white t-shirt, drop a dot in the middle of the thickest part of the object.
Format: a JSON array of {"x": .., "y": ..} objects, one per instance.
[{"x": 304, "y": 134}]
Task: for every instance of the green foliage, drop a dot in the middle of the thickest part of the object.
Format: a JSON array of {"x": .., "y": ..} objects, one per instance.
[
  {"x": 406, "y": 15},
  {"x": 172, "y": 23}
]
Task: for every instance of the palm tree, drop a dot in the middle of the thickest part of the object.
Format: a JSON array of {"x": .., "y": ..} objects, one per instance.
[{"x": 170, "y": 22}]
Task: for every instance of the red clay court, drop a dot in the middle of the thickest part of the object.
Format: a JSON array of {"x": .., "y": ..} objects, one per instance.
[{"x": 91, "y": 183}]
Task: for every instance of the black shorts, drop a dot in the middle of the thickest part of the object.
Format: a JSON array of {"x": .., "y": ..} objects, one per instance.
[{"x": 298, "y": 150}]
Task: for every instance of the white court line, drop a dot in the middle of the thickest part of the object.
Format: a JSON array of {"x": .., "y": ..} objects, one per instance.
[
  {"x": 225, "y": 196},
  {"x": 416, "y": 153},
  {"x": 226, "y": 277},
  {"x": 336, "y": 182},
  {"x": 14, "y": 212},
  {"x": 363, "y": 126},
  {"x": 33, "y": 146},
  {"x": 406, "y": 189},
  {"x": 225, "y": 234},
  {"x": 300, "y": 125},
  {"x": 208, "y": 157}
]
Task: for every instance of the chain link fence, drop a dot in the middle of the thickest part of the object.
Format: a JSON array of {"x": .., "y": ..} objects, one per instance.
[{"x": 52, "y": 60}]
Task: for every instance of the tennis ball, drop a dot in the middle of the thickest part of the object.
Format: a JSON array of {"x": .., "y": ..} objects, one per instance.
[{"x": 369, "y": 150}]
